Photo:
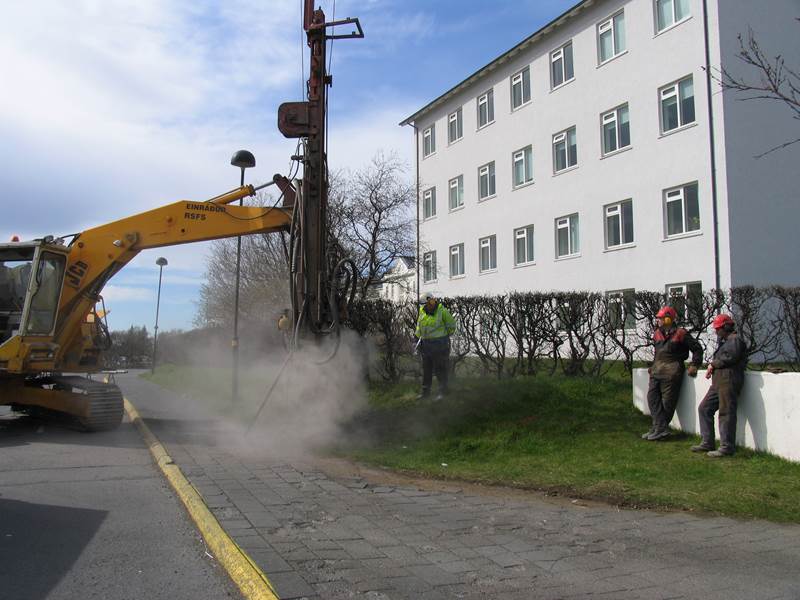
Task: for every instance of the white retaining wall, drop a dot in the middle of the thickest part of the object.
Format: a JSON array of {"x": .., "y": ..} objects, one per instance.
[{"x": 768, "y": 412}]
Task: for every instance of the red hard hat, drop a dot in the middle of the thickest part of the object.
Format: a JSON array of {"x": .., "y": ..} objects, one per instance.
[
  {"x": 667, "y": 311},
  {"x": 721, "y": 321}
]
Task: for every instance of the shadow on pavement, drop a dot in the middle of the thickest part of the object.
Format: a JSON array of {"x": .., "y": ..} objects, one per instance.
[
  {"x": 38, "y": 545},
  {"x": 21, "y": 430}
]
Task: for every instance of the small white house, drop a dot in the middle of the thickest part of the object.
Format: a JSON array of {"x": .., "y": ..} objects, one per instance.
[{"x": 400, "y": 282}]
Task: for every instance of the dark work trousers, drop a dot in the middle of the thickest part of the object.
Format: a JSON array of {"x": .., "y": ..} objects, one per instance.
[
  {"x": 722, "y": 396},
  {"x": 435, "y": 358},
  {"x": 663, "y": 392}
]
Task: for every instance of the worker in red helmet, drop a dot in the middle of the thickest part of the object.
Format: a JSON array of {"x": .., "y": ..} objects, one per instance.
[
  {"x": 726, "y": 371},
  {"x": 672, "y": 347}
]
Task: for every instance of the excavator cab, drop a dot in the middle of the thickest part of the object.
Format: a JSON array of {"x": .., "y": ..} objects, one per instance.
[{"x": 31, "y": 277}]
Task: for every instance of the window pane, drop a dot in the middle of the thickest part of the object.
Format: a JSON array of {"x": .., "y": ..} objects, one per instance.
[
  {"x": 516, "y": 94},
  {"x": 569, "y": 71},
  {"x": 529, "y": 242},
  {"x": 558, "y": 71},
  {"x": 490, "y": 103},
  {"x": 573, "y": 147},
  {"x": 624, "y": 127},
  {"x": 519, "y": 169},
  {"x": 561, "y": 155},
  {"x": 606, "y": 45},
  {"x": 563, "y": 241},
  {"x": 686, "y": 92},
  {"x": 610, "y": 136},
  {"x": 528, "y": 164},
  {"x": 519, "y": 248},
  {"x": 681, "y": 9},
  {"x": 491, "y": 179},
  {"x": 669, "y": 113},
  {"x": 664, "y": 11},
  {"x": 493, "y": 252},
  {"x": 627, "y": 222},
  {"x": 526, "y": 85},
  {"x": 613, "y": 229},
  {"x": 619, "y": 33},
  {"x": 692, "y": 208},
  {"x": 574, "y": 239},
  {"x": 674, "y": 217}
]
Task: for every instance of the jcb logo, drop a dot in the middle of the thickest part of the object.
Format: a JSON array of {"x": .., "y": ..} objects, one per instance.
[{"x": 75, "y": 274}]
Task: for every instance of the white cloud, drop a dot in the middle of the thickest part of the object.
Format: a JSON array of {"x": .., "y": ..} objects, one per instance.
[{"x": 122, "y": 293}]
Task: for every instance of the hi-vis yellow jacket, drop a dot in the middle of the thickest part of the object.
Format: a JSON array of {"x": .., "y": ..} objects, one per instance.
[{"x": 440, "y": 324}]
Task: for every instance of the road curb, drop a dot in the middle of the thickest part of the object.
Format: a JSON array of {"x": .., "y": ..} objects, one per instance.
[{"x": 250, "y": 580}]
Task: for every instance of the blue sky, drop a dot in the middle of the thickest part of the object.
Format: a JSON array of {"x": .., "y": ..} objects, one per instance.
[{"x": 109, "y": 108}]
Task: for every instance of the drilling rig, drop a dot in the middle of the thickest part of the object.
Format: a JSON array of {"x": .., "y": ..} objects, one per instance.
[{"x": 51, "y": 334}]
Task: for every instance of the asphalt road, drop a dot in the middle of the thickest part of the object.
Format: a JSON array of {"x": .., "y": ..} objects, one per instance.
[{"x": 90, "y": 516}]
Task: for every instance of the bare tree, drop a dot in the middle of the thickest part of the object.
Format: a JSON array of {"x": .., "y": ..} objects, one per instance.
[
  {"x": 371, "y": 216},
  {"x": 776, "y": 82},
  {"x": 263, "y": 287}
]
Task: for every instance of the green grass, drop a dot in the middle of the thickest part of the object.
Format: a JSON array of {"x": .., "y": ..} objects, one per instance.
[{"x": 573, "y": 436}]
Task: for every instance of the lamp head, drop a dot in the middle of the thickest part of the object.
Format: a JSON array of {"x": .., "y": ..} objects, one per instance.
[
  {"x": 161, "y": 262},
  {"x": 243, "y": 159}
]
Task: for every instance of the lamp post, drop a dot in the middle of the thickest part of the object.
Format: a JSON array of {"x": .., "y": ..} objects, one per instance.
[
  {"x": 244, "y": 160},
  {"x": 161, "y": 262}
]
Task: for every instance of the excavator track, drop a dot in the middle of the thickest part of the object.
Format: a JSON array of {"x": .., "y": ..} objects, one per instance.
[{"x": 101, "y": 402}]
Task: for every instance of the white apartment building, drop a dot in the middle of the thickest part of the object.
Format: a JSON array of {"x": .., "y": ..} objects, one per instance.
[{"x": 589, "y": 157}]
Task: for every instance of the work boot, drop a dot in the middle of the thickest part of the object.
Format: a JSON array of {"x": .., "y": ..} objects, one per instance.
[
  {"x": 719, "y": 453},
  {"x": 702, "y": 448},
  {"x": 658, "y": 434},
  {"x": 424, "y": 395},
  {"x": 646, "y": 435}
]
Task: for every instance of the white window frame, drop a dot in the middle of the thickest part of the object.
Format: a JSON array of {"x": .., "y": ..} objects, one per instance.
[
  {"x": 565, "y": 222},
  {"x": 528, "y": 235},
  {"x": 455, "y": 133},
  {"x": 489, "y": 243},
  {"x": 487, "y": 171},
  {"x": 457, "y": 184},
  {"x": 429, "y": 267},
  {"x": 678, "y": 194},
  {"x": 560, "y": 54},
  {"x": 617, "y": 48},
  {"x": 615, "y": 210},
  {"x": 558, "y": 138},
  {"x": 519, "y": 78},
  {"x": 429, "y": 203},
  {"x": 613, "y": 116},
  {"x": 675, "y": 20},
  {"x": 486, "y": 99},
  {"x": 457, "y": 254},
  {"x": 627, "y": 309},
  {"x": 682, "y": 291},
  {"x": 672, "y": 90},
  {"x": 525, "y": 157},
  {"x": 429, "y": 141}
]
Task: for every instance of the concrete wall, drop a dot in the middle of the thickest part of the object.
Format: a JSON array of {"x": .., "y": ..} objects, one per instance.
[
  {"x": 768, "y": 413},
  {"x": 653, "y": 163},
  {"x": 763, "y": 193}
]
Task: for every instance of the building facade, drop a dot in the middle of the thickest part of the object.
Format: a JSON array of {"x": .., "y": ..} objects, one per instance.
[
  {"x": 591, "y": 156},
  {"x": 399, "y": 284}
]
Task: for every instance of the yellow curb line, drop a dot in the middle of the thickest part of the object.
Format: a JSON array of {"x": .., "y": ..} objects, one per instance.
[{"x": 250, "y": 580}]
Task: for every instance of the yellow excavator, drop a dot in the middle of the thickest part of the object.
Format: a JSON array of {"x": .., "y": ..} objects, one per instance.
[{"x": 49, "y": 289}]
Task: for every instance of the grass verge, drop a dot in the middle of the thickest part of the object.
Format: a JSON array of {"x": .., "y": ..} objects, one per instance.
[{"x": 573, "y": 436}]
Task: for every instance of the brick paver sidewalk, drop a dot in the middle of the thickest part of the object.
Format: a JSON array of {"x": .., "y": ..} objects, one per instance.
[{"x": 330, "y": 537}]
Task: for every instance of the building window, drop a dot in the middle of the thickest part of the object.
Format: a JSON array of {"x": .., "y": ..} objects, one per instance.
[
  {"x": 523, "y": 245},
  {"x": 429, "y": 141},
  {"x": 682, "y": 210},
  {"x": 616, "y": 129},
  {"x": 567, "y": 239},
  {"x": 561, "y": 67},
  {"x": 669, "y": 12},
  {"x": 429, "y": 266},
  {"x": 456, "y": 192},
  {"x": 622, "y": 309},
  {"x": 611, "y": 37},
  {"x": 455, "y": 127},
  {"x": 619, "y": 224},
  {"x": 565, "y": 150},
  {"x": 488, "y": 253},
  {"x": 521, "y": 88},
  {"x": 486, "y": 109},
  {"x": 677, "y": 104},
  {"x": 486, "y": 181},
  {"x": 429, "y": 203},
  {"x": 522, "y": 166},
  {"x": 687, "y": 300},
  {"x": 456, "y": 260}
]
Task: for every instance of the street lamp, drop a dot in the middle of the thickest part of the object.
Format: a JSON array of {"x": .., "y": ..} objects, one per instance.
[
  {"x": 243, "y": 159},
  {"x": 161, "y": 262}
]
